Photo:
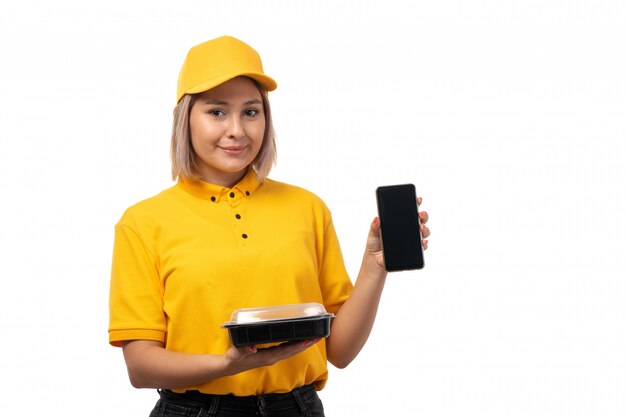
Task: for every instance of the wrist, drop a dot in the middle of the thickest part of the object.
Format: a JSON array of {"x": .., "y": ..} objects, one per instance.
[
  {"x": 372, "y": 265},
  {"x": 226, "y": 366}
]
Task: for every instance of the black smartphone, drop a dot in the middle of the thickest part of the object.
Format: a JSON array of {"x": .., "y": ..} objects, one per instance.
[{"x": 400, "y": 227}]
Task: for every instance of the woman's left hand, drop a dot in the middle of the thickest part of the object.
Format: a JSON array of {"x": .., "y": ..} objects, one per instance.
[
  {"x": 353, "y": 322},
  {"x": 374, "y": 245}
]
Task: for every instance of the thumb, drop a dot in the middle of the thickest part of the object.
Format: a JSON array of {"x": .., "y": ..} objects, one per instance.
[
  {"x": 373, "y": 244},
  {"x": 375, "y": 227},
  {"x": 246, "y": 351}
]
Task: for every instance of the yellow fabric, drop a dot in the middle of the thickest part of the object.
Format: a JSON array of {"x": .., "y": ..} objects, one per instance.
[
  {"x": 214, "y": 62},
  {"x": 181, "y": 266}
]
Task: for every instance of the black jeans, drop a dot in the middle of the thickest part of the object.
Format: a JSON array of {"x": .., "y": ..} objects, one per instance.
[{"x": 302, "y": 401}]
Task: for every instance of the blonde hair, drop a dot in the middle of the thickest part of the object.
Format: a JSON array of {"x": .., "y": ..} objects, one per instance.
[{"x": 184, "y": 158}]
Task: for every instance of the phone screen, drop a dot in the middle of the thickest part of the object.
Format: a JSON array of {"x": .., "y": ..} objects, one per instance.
[{"x": 400, "y": 227}]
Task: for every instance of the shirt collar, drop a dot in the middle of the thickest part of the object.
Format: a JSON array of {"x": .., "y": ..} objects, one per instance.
[{"x": 212, "y": 192}]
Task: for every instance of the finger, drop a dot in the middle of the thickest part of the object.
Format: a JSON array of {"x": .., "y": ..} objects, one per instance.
[
  {"x": 375, "y": 227},
  {"x": 245, "y": 351},
  {"x": 419, "y": 201},
  {"x": 425, "y": 231},
  {"x": 241, "y": 353},
  {"x": 423, "y": 217},
  {"x": 286, "y": 350},
  {"x": 424, "y": 244},
  {"x": 291, "y": 348},
  {"x": 311, "y": 342}
]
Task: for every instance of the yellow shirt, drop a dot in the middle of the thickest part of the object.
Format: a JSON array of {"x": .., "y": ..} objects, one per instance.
[{"x": 185, "y": 259}]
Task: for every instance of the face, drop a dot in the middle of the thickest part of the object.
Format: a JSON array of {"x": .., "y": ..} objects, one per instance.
[{"x": 227, "y": 125}]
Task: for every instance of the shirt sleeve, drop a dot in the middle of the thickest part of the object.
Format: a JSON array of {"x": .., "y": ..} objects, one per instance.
[
  {"x": 334, "y": 280},
  {"x": 136, "y": 295}
]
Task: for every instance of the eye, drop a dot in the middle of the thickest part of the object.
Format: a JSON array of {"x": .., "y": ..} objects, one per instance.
[
  {"x": 251, "y": 112},
  {"x": 216, "y": 112}
]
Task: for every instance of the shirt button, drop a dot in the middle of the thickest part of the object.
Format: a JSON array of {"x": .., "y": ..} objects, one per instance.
[
  {"x": 245, "y": 236},
  {"x": 232, "y": 195},
  {"x": 213, "y": 198},
  {"x": 238, "y": 216}
]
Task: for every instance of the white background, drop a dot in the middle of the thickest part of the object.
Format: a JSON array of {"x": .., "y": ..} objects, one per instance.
[{"x": 508, "y": 116}]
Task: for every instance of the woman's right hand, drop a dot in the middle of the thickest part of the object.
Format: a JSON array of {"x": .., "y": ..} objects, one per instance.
[{"x": 240, "y": 359}]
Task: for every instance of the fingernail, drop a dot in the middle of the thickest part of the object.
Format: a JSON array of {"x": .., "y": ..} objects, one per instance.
[{"x": 376, "y": 221}]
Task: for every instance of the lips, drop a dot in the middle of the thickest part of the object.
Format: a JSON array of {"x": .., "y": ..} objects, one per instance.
[{"x": 233, "y": 150}]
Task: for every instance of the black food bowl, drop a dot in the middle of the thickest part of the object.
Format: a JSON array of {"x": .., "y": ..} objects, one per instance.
[{"x": 285, "y": 323}]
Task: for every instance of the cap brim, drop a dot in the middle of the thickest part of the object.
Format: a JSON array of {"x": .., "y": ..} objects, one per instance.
[{"x": 266, "y": 82}]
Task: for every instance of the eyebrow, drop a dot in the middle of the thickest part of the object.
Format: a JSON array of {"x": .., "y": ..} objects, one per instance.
[{"x": 225, "y": 103}]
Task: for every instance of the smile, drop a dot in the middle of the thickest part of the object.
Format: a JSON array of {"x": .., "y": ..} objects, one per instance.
[{"x": 233, "y": 150}]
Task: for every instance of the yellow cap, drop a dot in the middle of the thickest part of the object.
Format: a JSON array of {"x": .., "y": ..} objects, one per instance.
[{"x": 214, "y": 62}]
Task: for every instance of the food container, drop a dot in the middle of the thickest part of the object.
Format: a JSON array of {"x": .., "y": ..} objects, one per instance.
[{"x": 252, "y": 326}]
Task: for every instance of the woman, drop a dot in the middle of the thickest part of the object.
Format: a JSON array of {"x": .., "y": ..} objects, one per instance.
[{"x": 225, "y": 237}]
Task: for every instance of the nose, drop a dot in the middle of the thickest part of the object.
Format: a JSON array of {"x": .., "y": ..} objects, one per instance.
[{"x": 235, "y": 127}]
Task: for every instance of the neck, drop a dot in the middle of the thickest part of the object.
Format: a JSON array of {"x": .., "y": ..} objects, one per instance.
[{"x": 225, "y": 179}]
